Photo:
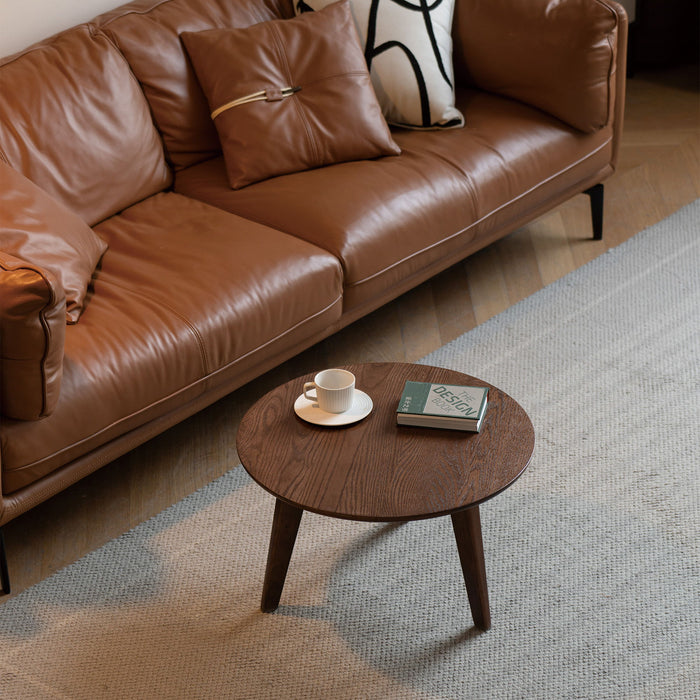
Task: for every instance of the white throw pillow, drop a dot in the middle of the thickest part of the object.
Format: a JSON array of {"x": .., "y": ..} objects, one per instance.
[{"x": 408, "y": 49}]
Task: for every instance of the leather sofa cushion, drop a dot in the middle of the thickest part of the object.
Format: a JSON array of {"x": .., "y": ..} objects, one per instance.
[
  {"x": 32, "y": 331},
  {"x": 39, "y": 230},
  {"x": 558, "y": 56},
  {"x": 171, "y": 319},
  {"x": 391, "y": 219},
  {"x": 78, "y": 125},
  {"x": 148, "y": 32},
  {"x": 312, "y": 100}
]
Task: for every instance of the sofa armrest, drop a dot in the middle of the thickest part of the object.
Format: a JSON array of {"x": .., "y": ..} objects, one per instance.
[
  {"x": 565, "y": 57},
  {"x": 32, "y": 335}
]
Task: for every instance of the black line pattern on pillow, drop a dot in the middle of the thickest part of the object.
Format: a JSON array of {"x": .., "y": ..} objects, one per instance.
[
  {"x": 425, "y": 8},
  {"x": 371, "y": 50},
  {"x": 420, "y": 80}
]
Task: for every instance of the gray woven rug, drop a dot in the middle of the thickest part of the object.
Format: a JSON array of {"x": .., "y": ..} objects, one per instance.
[{"x": 592, "y": 556}]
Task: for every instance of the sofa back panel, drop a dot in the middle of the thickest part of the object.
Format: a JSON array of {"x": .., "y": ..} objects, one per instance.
[
  {"x": 148, "y": 34},
  {"x": 73, "y": 119},
  {"x": 557, "y": 56}
]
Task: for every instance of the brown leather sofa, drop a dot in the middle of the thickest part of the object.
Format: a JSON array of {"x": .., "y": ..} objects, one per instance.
[{"x": 203, "y": 287}]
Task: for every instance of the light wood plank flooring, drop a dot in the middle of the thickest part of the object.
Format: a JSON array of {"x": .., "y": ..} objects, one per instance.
[{"x": 659, "y": 172}]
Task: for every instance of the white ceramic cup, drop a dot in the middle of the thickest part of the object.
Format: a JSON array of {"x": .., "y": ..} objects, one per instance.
[{"x": 335, "y": 389}]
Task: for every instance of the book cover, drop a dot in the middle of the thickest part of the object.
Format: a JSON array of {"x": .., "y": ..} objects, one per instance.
[{"x": 442, "y": 405}]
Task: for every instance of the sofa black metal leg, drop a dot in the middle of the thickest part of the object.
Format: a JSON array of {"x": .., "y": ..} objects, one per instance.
[
  {"x": 4, "y": 573},
  {"x": 597, "y": 196}
]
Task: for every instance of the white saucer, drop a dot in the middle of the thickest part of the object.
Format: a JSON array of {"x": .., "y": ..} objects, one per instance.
[{"x": 309, "y": 411}]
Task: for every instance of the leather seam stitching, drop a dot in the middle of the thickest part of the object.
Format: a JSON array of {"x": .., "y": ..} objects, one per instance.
[
  {"x": 611, "y": 67},
  {"x": 282, "y": 51},
  {"x": 45, "y": 327},
  {"x": 47, "y": 346},
  {"x": 478, "y": 221},
  {"x": 19, "y": 470}
]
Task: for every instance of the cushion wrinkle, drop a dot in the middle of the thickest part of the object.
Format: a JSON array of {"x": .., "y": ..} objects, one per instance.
[
  {"x": 38, "y": 229},
  {"x": 206, "y": 365},
  {"x": 89, "y": 143},
  {"x": 284, "y": 59}
]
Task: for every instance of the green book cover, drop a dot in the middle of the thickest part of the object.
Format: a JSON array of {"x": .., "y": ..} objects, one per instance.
[{"x": 423, "y": 398}]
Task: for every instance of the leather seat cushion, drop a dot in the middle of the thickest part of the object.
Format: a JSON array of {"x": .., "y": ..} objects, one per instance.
[
  {"x": 185, "y": 292},
  {"x": 390, "y": 218}
]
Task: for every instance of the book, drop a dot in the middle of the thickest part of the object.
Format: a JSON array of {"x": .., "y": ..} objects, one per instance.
[{"x": 442, "y": 406}]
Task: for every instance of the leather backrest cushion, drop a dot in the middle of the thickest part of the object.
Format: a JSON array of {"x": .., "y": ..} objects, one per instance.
[
  {"x": 39, "y": 230},
  {"x": 556, "y": 56},
  {"x": 148, "y": 32},
  {"x": 32, "y": 334},
  {"x": 330, "y": 114},
  {"x": 74, "y": 120}
]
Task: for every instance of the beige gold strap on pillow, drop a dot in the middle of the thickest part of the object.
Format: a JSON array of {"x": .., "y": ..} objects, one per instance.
[{"x": 269, "y": 95}]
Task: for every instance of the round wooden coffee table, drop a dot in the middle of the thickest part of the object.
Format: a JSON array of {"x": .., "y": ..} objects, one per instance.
[{"x": 375, "y": 470}]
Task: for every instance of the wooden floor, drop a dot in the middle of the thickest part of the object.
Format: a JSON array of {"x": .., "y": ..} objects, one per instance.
[{"x": 659, "y": 172}]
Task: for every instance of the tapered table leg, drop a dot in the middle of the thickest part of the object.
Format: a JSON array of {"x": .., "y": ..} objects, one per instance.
[
  {"x": 285, "y": 526},
  {"x": 467, "y": 528}
]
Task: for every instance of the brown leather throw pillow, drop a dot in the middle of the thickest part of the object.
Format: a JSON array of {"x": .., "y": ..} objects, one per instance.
[
  {"x": 36, "y": 228},
  {"x": 289, "y": 95}
]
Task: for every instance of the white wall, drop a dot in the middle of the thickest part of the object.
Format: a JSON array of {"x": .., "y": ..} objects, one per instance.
[{"x": 22, "y": 22}]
